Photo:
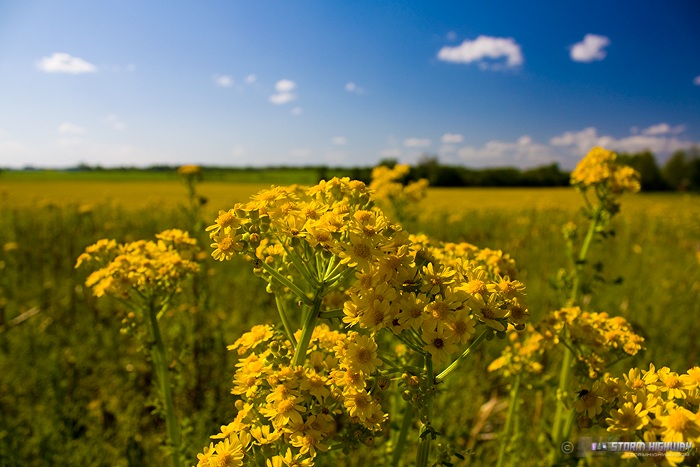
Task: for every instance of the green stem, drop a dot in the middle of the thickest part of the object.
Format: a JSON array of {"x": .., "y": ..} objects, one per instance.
[
  {"x": 299, "y": 263},
  {"x": 426, "y": 436},
  {"x": 161, "y": 367},
  {"x": 403, "y": 434},
  {"x": 307, "y": 329},
  {"x": 408, "y": 343},
  {"x": 583, "y": 254},
  {"x": 330, "y": 314},
  {"x": 558, "y": 431},
  {"x": 285, "y": 321},
  {"x": 474, "y": 345},
  {"x": 509, "y": 420},
  {"x": 287, "y": 283}
]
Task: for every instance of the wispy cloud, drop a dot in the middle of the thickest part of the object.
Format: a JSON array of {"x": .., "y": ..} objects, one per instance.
[
  {"x": 696, "y": 80},
  {"x": 663, "y": 129},
  {"x": 452, "y": 138},
  {"x": 296, "y": 111},
  {"x": 569, "y": 147},
  {"x": 225, "y": 81},
  {"x": 590, "y": 48},
  {"x": 484, "y": 50},
  {"x": 250, "y": 79},
  {"x": 67, "y": 128},
  {"x": 284, "y": 94},
  {"x": 354, "y": 88},
  {"x": 660, "y": 139},
  {"x": 417, "y": 142},
  {"x": 522, "y": 152},
  {"x": 339, "y": 141},
  {"x": 115, "y": 122},
  {"x": 65, "y": 63}
]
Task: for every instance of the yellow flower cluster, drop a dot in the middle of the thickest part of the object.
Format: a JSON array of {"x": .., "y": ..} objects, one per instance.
[
  {"x": 286, "y": 413},
  {"x": 321, "y": 217},
  {"x": 646, "y": 405},
  {"x": 436, "y": 294},
  {"x": 597, "y": 339},
  {"x": 432, "y": 294},
  {"x": 599, "y": 168},
  {"x": 145, "y": 267},
  {"x": 525, "y": 353},
  {"x": 390, "y": 193}
]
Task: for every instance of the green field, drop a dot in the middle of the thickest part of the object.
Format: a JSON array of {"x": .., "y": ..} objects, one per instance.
[{"x": 75, "y": 391}]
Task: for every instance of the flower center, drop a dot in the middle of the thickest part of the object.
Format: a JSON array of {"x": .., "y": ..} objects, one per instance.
[{"x": 364, "y": 355}]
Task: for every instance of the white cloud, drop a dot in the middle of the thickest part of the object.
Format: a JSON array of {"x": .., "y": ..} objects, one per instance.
[
  {"x": 660, "y": 143},
  {"x": 67, "y": 128},
  {"x": 590, "y": 49},
  {"x": 696, "y": 80},
  {"x": 583, "y": 140},
  {"x": 522, "y": 152},
  {"x": 285, "y": 85},
  {"x": 284, "y": 88},
  {"x": 282, "y": 98},
  {"x": 452, "y": 138},
  {"x": 114, "y": 121},
  {"x": 64, "y": 63},
  {"x": 339, "y": 141},
  {"x": 663, "y": 129},
  {"x": 131, "y": 67},
  {"x": 250, "y": 79},
  {"x": 225, "y": 81},
  {"x": 417, "y": 142},
  {"x": 354, "y": 88},
  {"x": 296, "y": 111},
  {"x": 482, "y": 48}
]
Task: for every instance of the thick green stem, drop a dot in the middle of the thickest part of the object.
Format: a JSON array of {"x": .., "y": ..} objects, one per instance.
[
  {"x": 474, "y": 345},
  {"x": 160, "y": 364},
  {"x": 509, "y": 420},
  {"x": 403, "y": 435},
  {"x": 307, "y": 329}
]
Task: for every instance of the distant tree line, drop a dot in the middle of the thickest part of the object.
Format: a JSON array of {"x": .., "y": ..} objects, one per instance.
[{"x": 680, "y": 172}]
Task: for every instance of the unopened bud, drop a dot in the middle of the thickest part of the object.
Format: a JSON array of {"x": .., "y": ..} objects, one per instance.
[{"x": 383, "y": 382}]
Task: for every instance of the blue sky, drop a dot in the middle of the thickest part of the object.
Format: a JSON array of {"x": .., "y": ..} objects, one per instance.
[{"x": 344, "y": 83}]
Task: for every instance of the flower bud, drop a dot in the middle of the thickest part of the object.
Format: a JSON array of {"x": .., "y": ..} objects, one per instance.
[{"x": 383, "y": 382}]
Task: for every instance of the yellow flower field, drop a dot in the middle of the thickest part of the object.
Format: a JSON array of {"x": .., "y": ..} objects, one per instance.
[{"x": 488, "y": 327}]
